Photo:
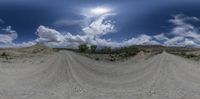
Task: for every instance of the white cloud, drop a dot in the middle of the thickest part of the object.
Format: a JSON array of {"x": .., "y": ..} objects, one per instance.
[
  {"x": 8, "y": 35},
  {"x": 6, "y": 38},
  {"x": 48, "y": 35},
  {"x": 17, "y": 45},
  {"x": 54, "y": 38},
  {"x": 182, "y": 42},
  {"x": 181, "y": 19},
  {"x": 161, "y": 37},
  {"x": 182, "y": 34},
  {"x": 175, "y": 41},
  {"x": 189, "y": 42},
  {"x": 100, "y": 26},
  {"x": 140, "y": 40},
  {"x": 92, "y": 29},
  {"x": 183, "y": 27}
]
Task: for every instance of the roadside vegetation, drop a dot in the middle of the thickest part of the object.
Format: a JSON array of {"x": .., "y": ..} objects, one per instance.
[
  {"x": 188, "y": 53},
  {"x": 192, "y": 56},
  {"x": 115, "y": 54},
  {"x": 4, "y": 55},
  {"x": 107, "y": 53}
]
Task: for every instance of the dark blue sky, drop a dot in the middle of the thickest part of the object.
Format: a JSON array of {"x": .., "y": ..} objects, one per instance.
[{"x": 133, "y": 16}]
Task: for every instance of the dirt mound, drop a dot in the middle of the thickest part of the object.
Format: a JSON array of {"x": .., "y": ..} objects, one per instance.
[
  {"x": 38, "y": 48},
  {"x": 14, "y": 55}
]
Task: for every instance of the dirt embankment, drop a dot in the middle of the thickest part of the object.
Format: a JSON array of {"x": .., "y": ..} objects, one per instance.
[{"x": 10, "y": 55}]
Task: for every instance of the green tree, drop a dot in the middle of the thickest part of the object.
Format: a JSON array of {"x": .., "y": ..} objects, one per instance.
[
  {"x": 83, "y": 48},
  {"x": 106, "y": 50},
  {"x": 93, "y": 48}
]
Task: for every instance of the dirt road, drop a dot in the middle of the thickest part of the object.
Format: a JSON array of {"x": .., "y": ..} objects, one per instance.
[{"x": 66, "y": 75}]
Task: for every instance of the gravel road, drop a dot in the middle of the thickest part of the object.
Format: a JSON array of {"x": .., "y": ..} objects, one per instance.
[{"x": 67, "y": 75}]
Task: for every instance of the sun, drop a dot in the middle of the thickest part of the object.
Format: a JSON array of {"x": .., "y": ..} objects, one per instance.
[{"x": 100, "y": 10}]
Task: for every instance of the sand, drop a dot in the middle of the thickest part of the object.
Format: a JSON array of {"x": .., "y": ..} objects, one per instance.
[{"x": 67, "y": 75}]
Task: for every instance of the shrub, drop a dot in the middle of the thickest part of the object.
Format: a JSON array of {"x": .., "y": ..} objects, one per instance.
[
  {"x": 106, "y": 50},
  {"x": 4, "y": 55},
  {"x": 83, "y": 48},
  {"x": 183, "y": 53},
  {"x": 127, "y": 51},
  {"x": 96, "y": 58},
  {"x": 112, "y": 59},
  {"x": 191, "y": 56},
  {"x": 93, "y": 48}
]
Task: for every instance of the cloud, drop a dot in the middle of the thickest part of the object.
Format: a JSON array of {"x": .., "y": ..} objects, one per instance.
[
  {"x": 183, "y": 33},
  {"x": 161, "y": 37},
  {"x": 140, "y": 40},
  {"x": 93, "y": 29},
  {"x": 8, "y": 35},
  {"x": 91, "y": 35},
  {"x": 100, "y": 26},
  {"x": 17, "y": 45},
  {"x": 48, "y": 35},
  {"x": 183, "y": 27},
  {"x": 181, "y": 42},
  {"x": 190, "y": 43},
  {"x": 181, "y": 19},
  {"x": 175, "y": 41},
  {"x": 51, "y": 37},
  {"x": 54, "y": 38}
]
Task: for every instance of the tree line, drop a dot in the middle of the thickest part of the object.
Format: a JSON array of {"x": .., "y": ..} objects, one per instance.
[{"x": 124, "y": 51}]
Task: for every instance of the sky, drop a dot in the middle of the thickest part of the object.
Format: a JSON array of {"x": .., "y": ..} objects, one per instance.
[{"x": 114, "y": 23}]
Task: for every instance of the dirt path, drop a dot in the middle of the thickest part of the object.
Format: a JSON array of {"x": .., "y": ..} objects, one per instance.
[{"x": 66, "y": 75}]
